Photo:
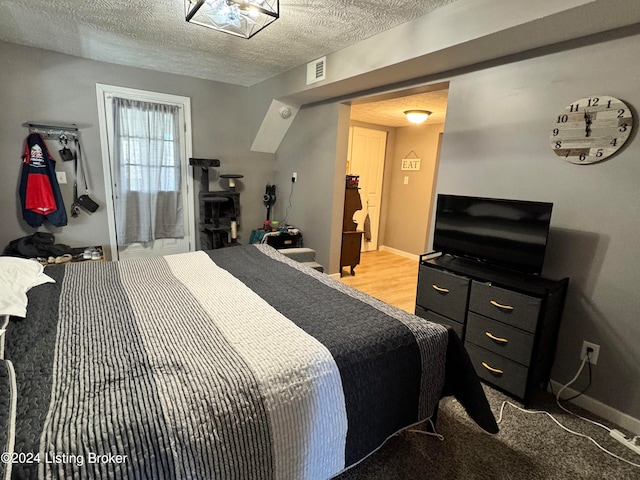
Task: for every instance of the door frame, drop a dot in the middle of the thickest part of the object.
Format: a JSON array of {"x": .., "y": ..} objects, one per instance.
[{"x": 103, "y": 91}]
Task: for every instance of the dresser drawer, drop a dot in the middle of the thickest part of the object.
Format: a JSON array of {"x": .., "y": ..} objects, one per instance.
[
  {"x": 509, "y": 307},
  {"x": 434, "y": 317},
  {"x": 499, "y": 338},
  {"x": 498, "y": 370},
  {"x": 443, "y": 293}
]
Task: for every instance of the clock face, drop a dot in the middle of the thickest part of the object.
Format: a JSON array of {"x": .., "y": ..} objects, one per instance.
[{"x": 591, "y": 129}]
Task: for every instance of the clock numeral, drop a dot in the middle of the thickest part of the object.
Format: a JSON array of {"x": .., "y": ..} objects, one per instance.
[
  {"x": 609, "y": 104},
  {"x": 574, "y": 107},
  {"x": 621, "y": 112},
  {"x": 623, "y": 127},
  {"x": 582, "y": 157},
  {"x": 593, "y": 102},
  {"x": 558, "y": 145},
  {"x": 614, "y": 142},
  {"x": 555, "y": 132},
  {"x": 599, "y": 153},
  {"x": 563, "y": 119}
]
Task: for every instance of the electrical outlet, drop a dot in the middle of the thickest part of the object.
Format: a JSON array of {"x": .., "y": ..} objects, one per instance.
[
  {"x": 593, "y": 354},
  {"x": 294, "y": 177},
  {"x": 62, "y": 177}
]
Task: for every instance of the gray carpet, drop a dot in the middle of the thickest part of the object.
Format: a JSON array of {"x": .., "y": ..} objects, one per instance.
[{"x": 527, "y": 447}]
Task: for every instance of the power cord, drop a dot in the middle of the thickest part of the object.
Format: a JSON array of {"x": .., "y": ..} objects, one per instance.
[
  {"x": 286, "y": 212},
  {"x": 586, "y": 359},
  {"x": 432, "y": 433},
  {"x": 585, "y": 388}
]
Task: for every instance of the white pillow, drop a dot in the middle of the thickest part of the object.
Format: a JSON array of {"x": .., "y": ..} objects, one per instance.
[{"x": 17, "y": 277}]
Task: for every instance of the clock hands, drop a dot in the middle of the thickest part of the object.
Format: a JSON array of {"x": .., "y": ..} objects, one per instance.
[{"x": 587, "y": 121}]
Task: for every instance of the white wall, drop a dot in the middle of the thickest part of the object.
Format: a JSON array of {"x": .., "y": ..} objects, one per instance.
[{"x": 496, "y": 143}]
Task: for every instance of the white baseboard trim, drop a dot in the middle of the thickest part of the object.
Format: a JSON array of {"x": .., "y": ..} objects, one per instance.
[
  {"x": 335, "y": 276},
  {"x": 401, "y": 253},
  {"x": 627, "y": 422}
]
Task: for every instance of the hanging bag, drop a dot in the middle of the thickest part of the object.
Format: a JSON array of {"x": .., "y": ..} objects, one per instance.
[
  {"x": 84, "y": 200},
  {"x": 65, "y": 154}
]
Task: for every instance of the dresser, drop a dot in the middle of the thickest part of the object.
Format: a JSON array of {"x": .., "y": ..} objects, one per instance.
[
  {"x": 509, "y": 322},
  {"x": 351, "y": 236}
]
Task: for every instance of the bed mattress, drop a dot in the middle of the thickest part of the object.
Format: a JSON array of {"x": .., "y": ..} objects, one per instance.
[{"x": 230, "y": 364}]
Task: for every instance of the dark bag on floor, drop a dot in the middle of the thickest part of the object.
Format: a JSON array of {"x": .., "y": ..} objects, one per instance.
[{"x": 40, "y": 244}]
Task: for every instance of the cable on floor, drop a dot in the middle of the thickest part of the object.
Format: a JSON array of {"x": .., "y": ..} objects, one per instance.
[
  {"x": 431, "y": 433},
  {"x": 558, "y": 400}
]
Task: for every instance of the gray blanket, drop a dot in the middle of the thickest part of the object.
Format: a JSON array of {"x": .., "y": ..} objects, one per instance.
[{"x": 236, "y": 363}]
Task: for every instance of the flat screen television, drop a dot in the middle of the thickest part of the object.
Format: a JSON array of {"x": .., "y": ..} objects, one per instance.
[{"x": 510, "y": 234}]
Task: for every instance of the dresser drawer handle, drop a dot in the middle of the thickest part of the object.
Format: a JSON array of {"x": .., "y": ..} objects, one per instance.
[
  {"x": 491, "y": 369},
  {"x": 496, "y": 339},
  {"x": 499, "y": 305},
  {"x": 440, "y": 289}
]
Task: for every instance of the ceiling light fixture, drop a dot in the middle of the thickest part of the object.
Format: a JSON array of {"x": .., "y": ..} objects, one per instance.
[
  {"x": 417, "y": 116},
  {"x": 242, "y": 18}
]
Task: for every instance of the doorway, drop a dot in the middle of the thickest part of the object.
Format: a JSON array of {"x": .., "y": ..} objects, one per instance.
[
  {"x": 146, "y": 144},
  {"x": 407, "y": 194}
]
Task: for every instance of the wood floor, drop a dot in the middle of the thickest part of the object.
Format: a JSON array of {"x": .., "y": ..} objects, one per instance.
[{"x": 386, "y": 276}]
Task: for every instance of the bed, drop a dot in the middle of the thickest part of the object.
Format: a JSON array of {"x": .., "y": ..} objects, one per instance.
[{"x": 236, "y": 363}]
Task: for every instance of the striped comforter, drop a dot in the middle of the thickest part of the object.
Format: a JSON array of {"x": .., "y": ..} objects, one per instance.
[{"x": 231, "y": 364}]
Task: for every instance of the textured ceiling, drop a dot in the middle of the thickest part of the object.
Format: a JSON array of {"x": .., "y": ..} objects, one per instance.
[
  {"x": 390, "y": 112},
  {"x": 153, "y": 34}
]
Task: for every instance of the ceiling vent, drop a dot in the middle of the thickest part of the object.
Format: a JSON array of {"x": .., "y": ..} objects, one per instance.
[{"x": 316, "y": 70}]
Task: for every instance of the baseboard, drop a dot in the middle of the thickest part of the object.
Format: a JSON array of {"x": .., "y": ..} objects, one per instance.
[
  {"x": 400, "y": 253},
  {"x": 335, "y": 276},
  {"x": 626, "y": 422}
]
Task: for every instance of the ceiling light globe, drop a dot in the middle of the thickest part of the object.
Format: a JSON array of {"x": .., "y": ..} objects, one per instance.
[{"x": 417, "y": 116}]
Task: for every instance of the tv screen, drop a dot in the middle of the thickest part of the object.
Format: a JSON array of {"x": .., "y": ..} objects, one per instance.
[{"x": 511, "y": 234}]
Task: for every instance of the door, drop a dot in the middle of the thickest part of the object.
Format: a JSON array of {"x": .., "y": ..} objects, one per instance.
[
  {"x": 366, "y": 159},
  {"x": 171, "y": 227}
]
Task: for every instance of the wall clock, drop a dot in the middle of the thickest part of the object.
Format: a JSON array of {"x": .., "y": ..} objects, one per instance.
[{"x": 591, "y": 129}]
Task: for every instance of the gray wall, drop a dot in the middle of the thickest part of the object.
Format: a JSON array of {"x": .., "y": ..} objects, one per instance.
[
  {"x": 496, "y": 143},
  {"x": 316, "y": 148},
  {"x": 39, "y": 85}
]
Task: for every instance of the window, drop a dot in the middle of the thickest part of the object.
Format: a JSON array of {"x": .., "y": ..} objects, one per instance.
[{"x": 147, "y": 146}]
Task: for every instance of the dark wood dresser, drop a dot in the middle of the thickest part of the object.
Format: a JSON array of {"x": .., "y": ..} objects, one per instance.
[{"x": 351, "y": 236}]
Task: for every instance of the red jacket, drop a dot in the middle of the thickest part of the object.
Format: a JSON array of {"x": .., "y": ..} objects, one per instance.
[{"x": 39, "y": 190}]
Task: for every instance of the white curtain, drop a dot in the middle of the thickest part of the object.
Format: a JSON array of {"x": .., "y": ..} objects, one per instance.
[{"x": 146, "y": 171}]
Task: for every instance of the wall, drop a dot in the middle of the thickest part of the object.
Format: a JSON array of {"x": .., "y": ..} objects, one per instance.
[
  {"x": 39, "y": 85},
  {"x": 496, "y": 143},
  {"x": 316, "y": 148},
  {"x": 409, "y": 205}
]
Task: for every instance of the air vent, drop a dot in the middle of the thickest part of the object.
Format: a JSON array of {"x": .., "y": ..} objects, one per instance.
[{"x": 316, "y": 70}]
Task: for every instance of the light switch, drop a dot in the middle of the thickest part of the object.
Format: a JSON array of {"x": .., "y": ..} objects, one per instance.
[
  {"x": 406, "y": 180},
  {"x": 62, "y": 177}
]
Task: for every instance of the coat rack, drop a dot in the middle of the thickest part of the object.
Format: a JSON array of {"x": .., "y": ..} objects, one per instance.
[{"x": 53, "y": 131}]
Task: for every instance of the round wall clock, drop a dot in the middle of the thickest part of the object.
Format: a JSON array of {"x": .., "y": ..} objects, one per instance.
[{"x": 591, "y": 129}]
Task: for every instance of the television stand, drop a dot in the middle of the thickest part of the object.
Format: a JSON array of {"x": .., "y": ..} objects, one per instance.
[{"x": 508, "y": 321}]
